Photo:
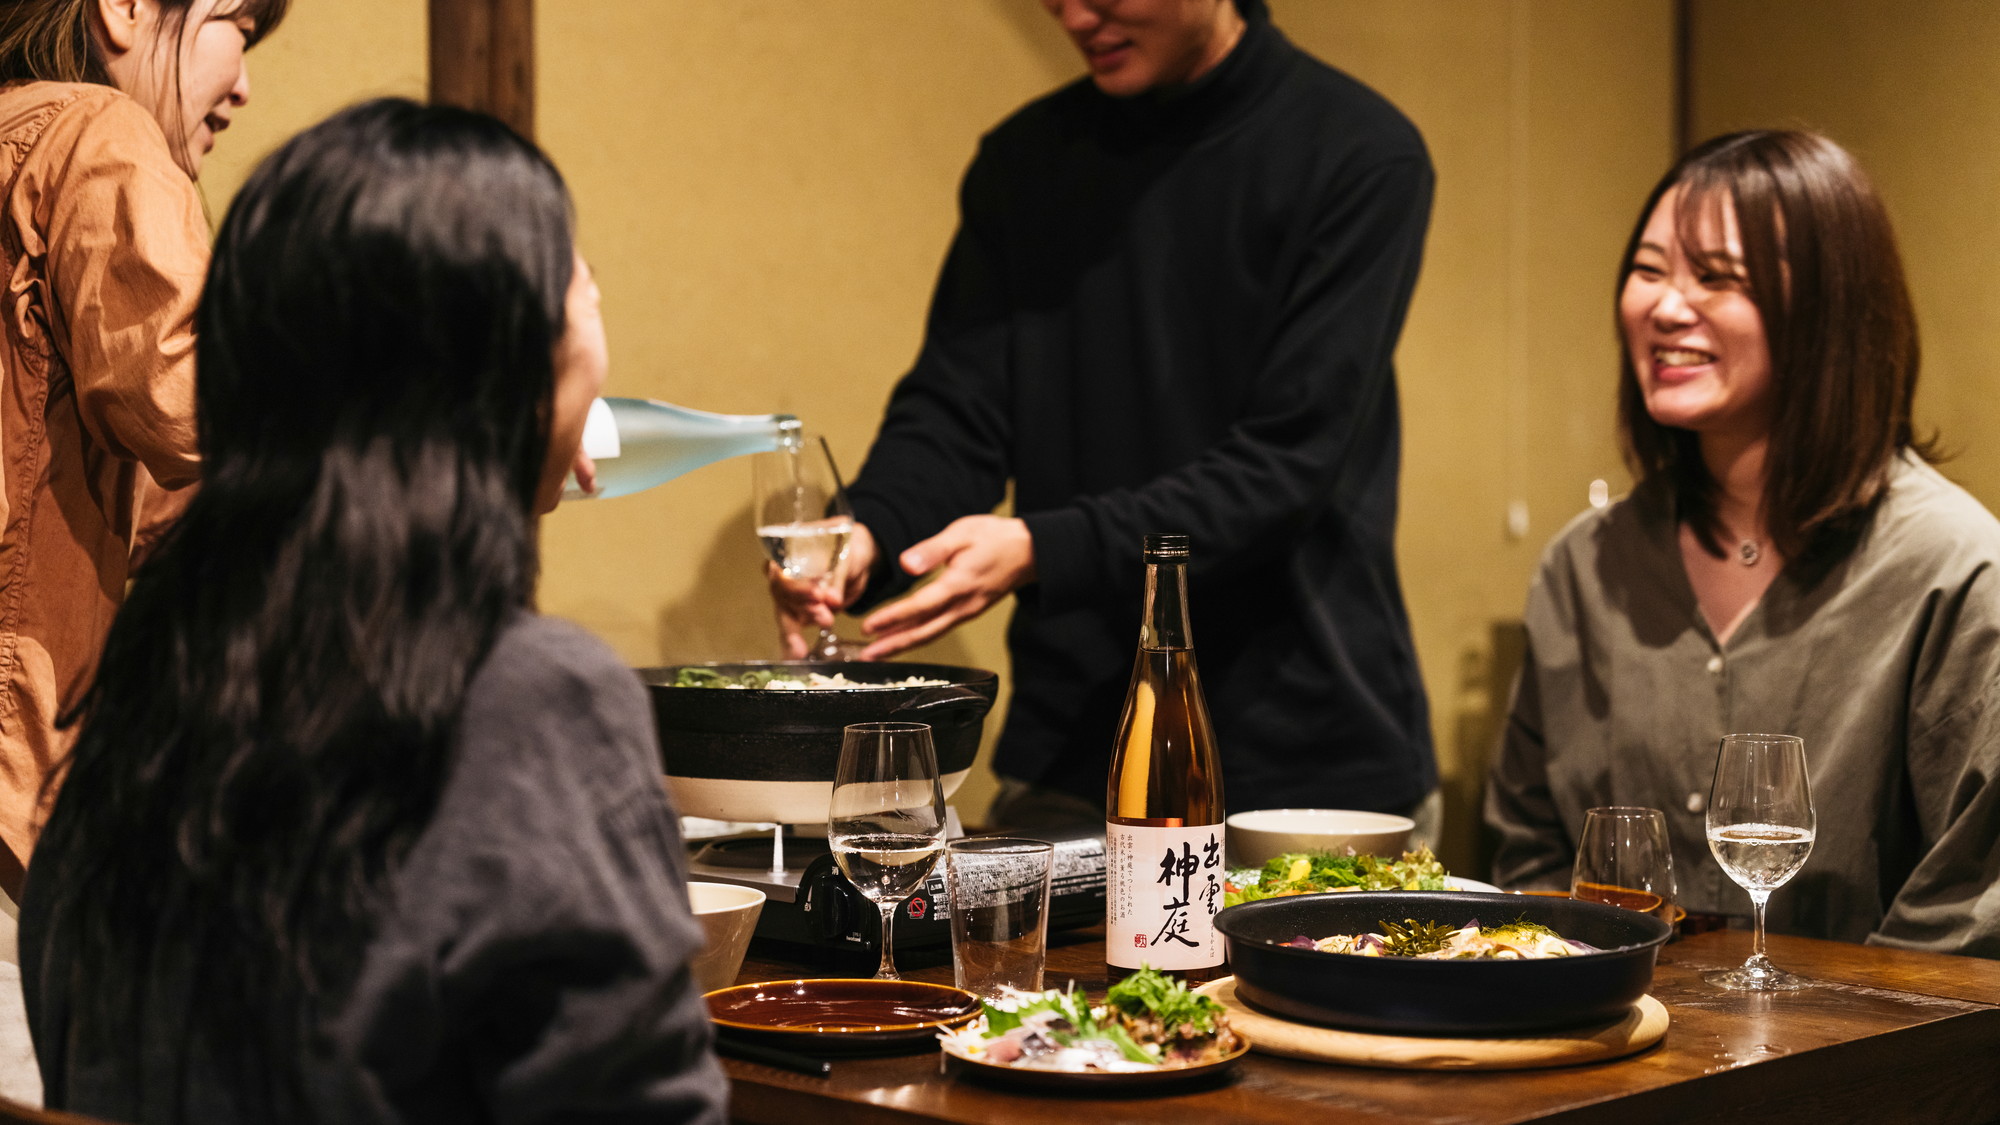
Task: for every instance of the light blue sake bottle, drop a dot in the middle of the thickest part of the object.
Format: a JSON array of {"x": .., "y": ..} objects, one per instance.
[{"x": 638, "y": 442}]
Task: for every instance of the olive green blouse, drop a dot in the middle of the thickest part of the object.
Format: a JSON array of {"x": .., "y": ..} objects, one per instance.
[{"x": 1888, "y": 666}]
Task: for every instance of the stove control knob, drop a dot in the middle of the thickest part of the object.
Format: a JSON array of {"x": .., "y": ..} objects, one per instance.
[{"x": 832, "y": 907}]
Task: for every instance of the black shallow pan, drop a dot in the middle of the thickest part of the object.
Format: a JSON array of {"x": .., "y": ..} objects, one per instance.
[
  {"x": 1405, "y": 996},
  {"x": 795, "y": 735}
]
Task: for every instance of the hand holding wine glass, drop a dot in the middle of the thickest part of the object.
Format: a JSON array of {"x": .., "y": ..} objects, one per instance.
[
  {"x": 1760, "y": 828},
  {"x": 887, "y": 820},
  {"x": 804, "y": 523}
]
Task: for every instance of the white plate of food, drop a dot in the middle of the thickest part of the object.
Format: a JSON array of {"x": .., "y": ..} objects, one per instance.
[
  {"x": 1305, "y": 873},
  {"x": 1151, "y": 1030}
]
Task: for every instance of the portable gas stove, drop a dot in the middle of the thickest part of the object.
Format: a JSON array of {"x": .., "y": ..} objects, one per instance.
[{"x": 811, "y": 903}]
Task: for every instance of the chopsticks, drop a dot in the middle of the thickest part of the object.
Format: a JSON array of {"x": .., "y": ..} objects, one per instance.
[{"x": 773, "y": 1056}]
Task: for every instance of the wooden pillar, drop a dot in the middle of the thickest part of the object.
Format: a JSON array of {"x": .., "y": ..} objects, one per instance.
[
  {"x": 1684, "y": 138},
  {"x": 483, "y": 57}
]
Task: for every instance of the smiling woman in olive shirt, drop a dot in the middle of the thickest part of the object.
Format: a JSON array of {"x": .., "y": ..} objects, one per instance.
[
  {"x": 1787, "y": 563},
  {"x": 107, "y": 108}
]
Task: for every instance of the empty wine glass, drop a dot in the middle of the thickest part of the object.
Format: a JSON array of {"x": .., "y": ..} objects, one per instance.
[
  {"x": 1623, "y": 858},
  {"x": 1760, "y": 827},
  {"x": 804, "y": 522},
  {"x": 886, "y": 823}
]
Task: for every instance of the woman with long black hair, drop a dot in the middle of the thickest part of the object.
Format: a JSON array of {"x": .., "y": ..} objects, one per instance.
[{"x": 350, "y": 833}]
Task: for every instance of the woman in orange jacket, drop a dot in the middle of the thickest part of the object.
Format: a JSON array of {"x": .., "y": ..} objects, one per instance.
[{"x": 107, "y": 108}]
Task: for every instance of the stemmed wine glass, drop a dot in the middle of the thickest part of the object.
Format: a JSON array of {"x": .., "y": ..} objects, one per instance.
[
  {"x": 1760, "y": 827},
  {"x": 804, "y": 521},
  {"x": 886, "y": 823}
]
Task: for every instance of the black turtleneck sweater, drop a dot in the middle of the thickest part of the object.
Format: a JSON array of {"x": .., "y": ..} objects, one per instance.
[{"x": 1177, "y": 312}]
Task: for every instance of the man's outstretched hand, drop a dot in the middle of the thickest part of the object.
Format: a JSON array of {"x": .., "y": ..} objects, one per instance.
[{"x": 979, "y": 560}]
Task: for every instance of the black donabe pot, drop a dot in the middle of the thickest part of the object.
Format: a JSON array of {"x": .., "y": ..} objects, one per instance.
[
  {"x": 1404, "y": 995},
  {"x": 761, "y": 755}
]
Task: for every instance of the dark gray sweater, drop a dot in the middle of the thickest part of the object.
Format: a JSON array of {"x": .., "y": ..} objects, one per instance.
[
  {"x": 533, "y": 964},
  {"x": 1177, "y": 312}
]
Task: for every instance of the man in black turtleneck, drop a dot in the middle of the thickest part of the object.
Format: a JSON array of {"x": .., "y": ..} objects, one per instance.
[{"x": 1171, "y": 305}]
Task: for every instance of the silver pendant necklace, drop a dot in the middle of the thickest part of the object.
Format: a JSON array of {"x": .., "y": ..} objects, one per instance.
[{"x": 1749, "y": 552}]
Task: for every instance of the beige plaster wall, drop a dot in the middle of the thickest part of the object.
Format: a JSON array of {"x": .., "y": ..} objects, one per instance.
[
  {"x": 326, "y": 55},
  {"x": 1914, "y": 92},
  {"x": 766, "y": 189},
  {"x": 1548, "y": 120}
]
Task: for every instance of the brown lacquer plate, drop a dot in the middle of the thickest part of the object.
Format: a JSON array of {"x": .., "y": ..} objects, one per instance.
[{"x": 824, "y": 1016}]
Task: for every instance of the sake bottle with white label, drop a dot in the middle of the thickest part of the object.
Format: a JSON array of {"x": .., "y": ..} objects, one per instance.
[{"x": 1163, "y": 801}]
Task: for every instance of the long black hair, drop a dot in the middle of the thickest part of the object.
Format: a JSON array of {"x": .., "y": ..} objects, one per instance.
[{"x": 271, "y": 723}]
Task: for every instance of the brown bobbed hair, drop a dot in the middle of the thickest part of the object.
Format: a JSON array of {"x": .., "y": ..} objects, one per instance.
[
  {"x": 1824, "y": 272},
  {"x": 51, "y": 40}
]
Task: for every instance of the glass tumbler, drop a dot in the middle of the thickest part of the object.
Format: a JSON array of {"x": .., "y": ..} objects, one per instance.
[
  {"x": 998, "y": 887},
  {"x": 1624, "y": 859}
]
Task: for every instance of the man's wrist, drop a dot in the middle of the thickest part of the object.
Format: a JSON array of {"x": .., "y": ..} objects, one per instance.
[
  {"x": 1026, "y": 570},
  {"x": 1064, "y": 546}
]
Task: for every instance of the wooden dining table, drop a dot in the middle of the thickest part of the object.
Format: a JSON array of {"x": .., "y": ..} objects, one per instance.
[{"x": 1884, "y": 1035}]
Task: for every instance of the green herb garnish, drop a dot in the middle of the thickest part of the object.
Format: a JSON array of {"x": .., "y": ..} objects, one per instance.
[
  {"x": 1414, "y": 938},
  {"x": 1117, "y": 1036},
  {"x": 1000, "y": 1020},
  {"x": 1165, "y": 998},
  {"x": 710, "y": 678}
]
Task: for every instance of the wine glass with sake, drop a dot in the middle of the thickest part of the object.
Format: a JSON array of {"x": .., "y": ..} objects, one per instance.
[
  {"x": 1760, "y": 828},
  {"x": 886, "y": 823},
  {"x": 804, "y": 522}
]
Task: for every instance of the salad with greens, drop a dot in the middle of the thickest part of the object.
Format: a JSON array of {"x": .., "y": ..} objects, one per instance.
[
  {"x": 1309, "y": 873},
  {"x": 1147, "y": 1022}
]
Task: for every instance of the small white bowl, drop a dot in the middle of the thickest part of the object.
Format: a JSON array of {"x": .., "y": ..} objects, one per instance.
[
  {"x": 1254, "y": 837},
  {"x": 728, "y": 916}
]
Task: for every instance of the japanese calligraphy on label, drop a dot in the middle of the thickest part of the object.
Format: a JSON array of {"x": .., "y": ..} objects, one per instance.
[{"x": 1163, "y": 887}]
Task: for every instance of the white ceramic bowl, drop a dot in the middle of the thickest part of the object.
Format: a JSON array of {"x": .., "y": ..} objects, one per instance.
[
  {"x": 1255, "y": 837},
  {"x": 728, "y": 916}
]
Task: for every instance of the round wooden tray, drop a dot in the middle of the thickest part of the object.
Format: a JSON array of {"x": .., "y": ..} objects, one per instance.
[{"x": 1641, "y": 1028}]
